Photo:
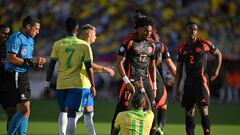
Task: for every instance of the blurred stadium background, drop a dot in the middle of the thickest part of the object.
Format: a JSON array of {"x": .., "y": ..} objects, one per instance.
[{"x": 219, "y": 21}]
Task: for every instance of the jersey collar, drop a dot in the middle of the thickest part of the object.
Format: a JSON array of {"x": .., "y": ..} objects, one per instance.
[{"x": 71, "y": 36}]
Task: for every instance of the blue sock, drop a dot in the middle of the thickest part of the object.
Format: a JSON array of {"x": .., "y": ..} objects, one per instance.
[
  {"x": 22, "y": 129},
  {"x": 14, "y": 123}
]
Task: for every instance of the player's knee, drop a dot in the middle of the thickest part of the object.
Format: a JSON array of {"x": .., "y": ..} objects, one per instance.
[
  {"x": 71, "y": 112},
  {"x": 190, "y": 112},
  {"x": 204, "y": 111},
  {"x": 88, "y": 118}
]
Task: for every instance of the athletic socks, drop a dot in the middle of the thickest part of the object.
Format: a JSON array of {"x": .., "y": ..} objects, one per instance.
[
  {"x": 71, "y": 126},
  {"x": 88, "y": 121},
  {"x": 62, "y": 123},
  {"x": 22, "y": 129},
  {"x": 190, "y": 125},
  {"x": 161, "y": 117},
  {"x": 206, "y": 124},
  {"x": 78, "y": 116},
  {"x": 15, "y": 123}
]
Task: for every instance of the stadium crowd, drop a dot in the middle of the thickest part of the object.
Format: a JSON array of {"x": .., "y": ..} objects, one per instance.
[{"x": 219, "y": 20}]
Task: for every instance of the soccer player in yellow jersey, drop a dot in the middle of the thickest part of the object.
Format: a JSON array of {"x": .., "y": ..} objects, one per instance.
[
  {"x": 135, "y": 121},
  {"x": 88, "y": 34},
  {"x": 71, "y": 53}
]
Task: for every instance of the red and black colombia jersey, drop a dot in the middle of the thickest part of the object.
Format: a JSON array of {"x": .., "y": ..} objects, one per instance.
[
  {"x": 138, "y": 55},
  {"x": 194, "y": 56}
]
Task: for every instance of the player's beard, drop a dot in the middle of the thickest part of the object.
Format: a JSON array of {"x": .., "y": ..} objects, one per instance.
[{"x": 192, "y": 38}]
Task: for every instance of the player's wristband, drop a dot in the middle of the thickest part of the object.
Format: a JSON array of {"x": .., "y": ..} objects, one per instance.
[
  {"x": 154, "y": 85},
  {"x": 126, "y": 80},
  {"x": 28, "y": 62},
  {"x": 47, "y": 84},
  {"x": 142, "y": 90}
]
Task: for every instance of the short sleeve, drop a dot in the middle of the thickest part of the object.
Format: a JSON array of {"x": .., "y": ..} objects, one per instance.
[
  {"x": 208, "y": 46},
  {"x": 212, "y": 48},
  {"x": 118, "y": 121},
  {"x": 87, "y": 51},
  {"x": 13, "y": 44},
  {"x": 54, "y": 54},
  {"x": 149, "y": 115},
  {"x": 179, "y": 54},
  {"x": 122, "y": 50},
  {"x": 165, "y": 52}
]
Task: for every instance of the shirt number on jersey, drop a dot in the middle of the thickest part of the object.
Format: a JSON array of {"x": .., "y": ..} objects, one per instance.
[
  {"x": 134, "y": 124},
  {"x": 70, "y": 51},
  {"x": 191, "y": 59}
]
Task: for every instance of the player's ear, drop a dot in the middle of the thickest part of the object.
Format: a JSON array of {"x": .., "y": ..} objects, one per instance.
[{"x": 28, "y": 26}]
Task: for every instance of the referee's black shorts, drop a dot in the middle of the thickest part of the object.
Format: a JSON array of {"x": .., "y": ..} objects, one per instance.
[{"x": 22, "y": 86}]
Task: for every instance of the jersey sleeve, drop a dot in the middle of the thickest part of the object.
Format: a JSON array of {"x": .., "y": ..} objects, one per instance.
[
  {"x": 118, "y": 120},
  {"x": 179, "y": 54},
  {"x": 149, "y": 115},
  {"x": 54, "y": 53},
  {"x": 208, "y": 46},
  {"x": 165, "y": 52},
  {"x": 87, "y": 51},
  {"x": 212, "y": 48},
  {"x": 13, "y": 44},
  {"x": 154, "y": 55},
  {"x": 122, "y": 50}
]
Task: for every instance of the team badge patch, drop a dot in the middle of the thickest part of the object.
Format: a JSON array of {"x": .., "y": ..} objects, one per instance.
[
  {"x": 121, "y": 49},
  {"x": 213, "y": 46},
  {"x": 24, "y": 52},
  {"x": 198, "y": 50}
]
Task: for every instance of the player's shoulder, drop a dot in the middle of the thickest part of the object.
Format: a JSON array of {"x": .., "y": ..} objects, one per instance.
[
  {"x": 181, "y": 45},
  {"x": 15, "y": 35},
  {"x": 131, "y": 36},
  {"x": 205, "y": 41}
]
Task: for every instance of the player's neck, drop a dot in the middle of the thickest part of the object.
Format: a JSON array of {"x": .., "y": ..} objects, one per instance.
[{"x": 191, "y": 40}]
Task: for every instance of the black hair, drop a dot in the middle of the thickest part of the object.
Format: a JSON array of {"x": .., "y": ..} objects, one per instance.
[
  {"x": 191, "y": 23},
  {"x": 4, "y": 26},
  {"x": 71, "y": 24},
  {"x": 144, "y": 21},
  {"x": 138, "y": 100},
  {"x": 87, "y": 27},
  {"x": 139, "y": 13},
  {"x": 30, "y": 20}
]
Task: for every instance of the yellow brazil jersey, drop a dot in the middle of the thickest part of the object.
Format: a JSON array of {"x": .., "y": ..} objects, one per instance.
[
  {"x": 84, "y": 79},
  {"x": 134, "y": 122},
  {"x": 71, "y": 53}
]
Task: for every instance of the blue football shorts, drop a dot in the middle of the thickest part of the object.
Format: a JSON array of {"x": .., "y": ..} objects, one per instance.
[
  {"x": 87, "y": 99},
  {"x": 69, "y": 98}
]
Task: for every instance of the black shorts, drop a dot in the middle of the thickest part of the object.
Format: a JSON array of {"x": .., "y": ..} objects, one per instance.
[
  {"x": 22, "y": 86},
  {"x": 196, "y": 94},
  {"x": 161, "y": 97},
  {"x": 8, "y": 95}
]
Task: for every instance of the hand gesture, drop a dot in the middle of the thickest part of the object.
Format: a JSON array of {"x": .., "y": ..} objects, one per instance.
[
  {"x": 39, "y": 61},
  {"x": 130, "y": 87}
]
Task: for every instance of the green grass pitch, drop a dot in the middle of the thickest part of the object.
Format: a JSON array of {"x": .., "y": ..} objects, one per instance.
[{"x": 225, "y": 119}]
